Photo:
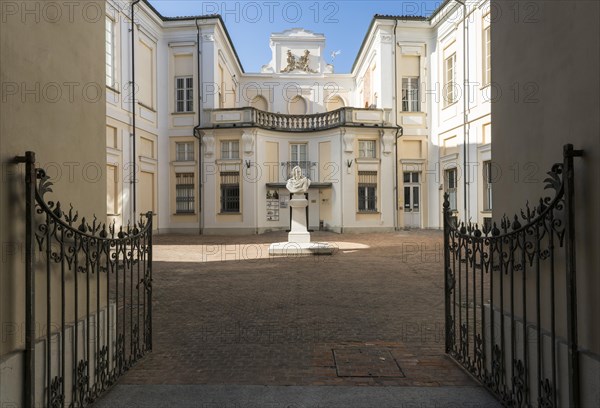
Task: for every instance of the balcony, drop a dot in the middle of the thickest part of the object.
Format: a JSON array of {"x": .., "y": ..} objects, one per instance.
[{"x": 251, "y": 117}]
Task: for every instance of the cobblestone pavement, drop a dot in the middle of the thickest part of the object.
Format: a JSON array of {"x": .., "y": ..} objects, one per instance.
[{"x": 227, "y": 313}]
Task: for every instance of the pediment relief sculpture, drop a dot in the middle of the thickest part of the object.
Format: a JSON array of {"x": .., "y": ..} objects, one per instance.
[{"x": 298, "y": 63}]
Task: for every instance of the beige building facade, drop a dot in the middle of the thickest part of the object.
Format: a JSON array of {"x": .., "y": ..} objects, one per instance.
[{"x": 213, "y": 145}]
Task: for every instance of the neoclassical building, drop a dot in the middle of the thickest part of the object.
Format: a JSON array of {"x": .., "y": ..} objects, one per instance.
[{"x": 208, "y": 147}]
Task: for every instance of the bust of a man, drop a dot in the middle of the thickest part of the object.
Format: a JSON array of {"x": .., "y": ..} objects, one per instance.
[{"x": 297, "y": 183}]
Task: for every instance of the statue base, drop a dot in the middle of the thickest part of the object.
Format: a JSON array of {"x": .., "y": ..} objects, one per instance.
[
  {"x": 300, "y": 248},
  {"x": 298, "y": 242}
]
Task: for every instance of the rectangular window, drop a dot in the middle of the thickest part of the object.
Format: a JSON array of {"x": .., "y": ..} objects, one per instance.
[
  {"x": 411, "y": 177},
  {"x": 299, "y": 157},
  {"x": 487, "y": 56},
  {"x": 412, "y": 193},
  {"x": 185, "y": 151},
  {"x": 487, "y": 223},
  {"x": 487, "y": 186},
  {"x": 230, "y": 192},
  {"x": 184, "y": 94},
  {"x": 184, "y": 193},
  {"x": 366, "y": 149},
  {"x": 410, "y": 94},
  {"x": 450, "y": 80},
  {"x": 367, "y": 191},
  {"x": 450, "y": 187},
  {"x": 112, "y": 190},
  {"x": 416, "y": 198},
  {"x": 110, "y": 52},
  {"x": 230, "y": 149}
]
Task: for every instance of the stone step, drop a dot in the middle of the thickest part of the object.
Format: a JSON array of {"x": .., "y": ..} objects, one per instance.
[{"x": 258, "y": 396}]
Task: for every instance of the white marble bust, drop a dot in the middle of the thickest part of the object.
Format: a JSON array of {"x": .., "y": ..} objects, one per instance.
[{"x": 297, "y": 183}]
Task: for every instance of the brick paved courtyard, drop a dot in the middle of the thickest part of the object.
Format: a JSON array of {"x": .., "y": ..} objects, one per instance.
[{"x": 371, "y": 314}]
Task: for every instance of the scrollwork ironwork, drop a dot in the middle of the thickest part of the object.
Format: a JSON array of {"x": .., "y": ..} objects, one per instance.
[
  {"x": 546, "y": 399},
  {"x": 56, "y": 396},
  {"x": 498, "y": 272},
  {"x": 89, "y": 274}
]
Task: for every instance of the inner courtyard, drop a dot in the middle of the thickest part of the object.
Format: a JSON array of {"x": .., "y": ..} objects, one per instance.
[{"x": 226, "y": 313}]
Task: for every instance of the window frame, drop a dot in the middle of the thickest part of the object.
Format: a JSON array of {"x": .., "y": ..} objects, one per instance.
[
  {"x": 487, "y": 55},
  {"x": 413, "y": 184},
  {"x": 410, "y": 95},
  {"x": 367, "y": 193},
  {"x": 186, "y": 153},
  {"x": 487, "y": 186},
  {"x": 110, "y": 51},
  {"x": 227, "y": 199},
  {"x": 228, "y": 154},
  {"x": 112, "y": 209},
  {"x": 187, "y": 102},
  {"x": 305, "y": 164},
  {"x": 450, "y": 96},
  {"x": 451, "y": 190},
  {"x": 188, "y": 198},
  {"x": 362, "y": 150}
]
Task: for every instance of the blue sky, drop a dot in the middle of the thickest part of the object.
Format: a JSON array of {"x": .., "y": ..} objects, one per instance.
[{"x": 250, "y": 23}]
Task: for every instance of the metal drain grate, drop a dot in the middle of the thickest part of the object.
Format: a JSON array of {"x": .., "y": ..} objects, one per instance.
[{"x": 366, "y": 362}]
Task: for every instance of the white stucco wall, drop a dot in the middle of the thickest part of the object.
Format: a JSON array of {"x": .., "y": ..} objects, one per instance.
[{"x": 550, "y": 53}]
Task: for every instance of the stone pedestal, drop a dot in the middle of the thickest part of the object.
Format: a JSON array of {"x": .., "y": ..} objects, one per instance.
[
  {"x": 298, "y": 242},
  {"x": 299, "y": 232}
]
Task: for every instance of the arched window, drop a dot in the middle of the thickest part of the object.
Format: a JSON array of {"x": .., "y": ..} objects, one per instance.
[
  {"x": 259, "y": 102},
  {"x": 297, "y": 106},
  {"x": 335, "y": 102}
]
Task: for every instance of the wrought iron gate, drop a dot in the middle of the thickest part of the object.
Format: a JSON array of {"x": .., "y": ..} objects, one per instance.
[
  {"x": 507, "y": 314},
  {"x": 94, "y": 286}
]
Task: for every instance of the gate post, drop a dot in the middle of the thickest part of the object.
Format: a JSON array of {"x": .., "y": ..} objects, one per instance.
[
  {"x": 573, "y": 346},
  {"x": 29, "y": 361},
  {"x": 447, "y": 283},
  {"x": 149, "y": 216}
]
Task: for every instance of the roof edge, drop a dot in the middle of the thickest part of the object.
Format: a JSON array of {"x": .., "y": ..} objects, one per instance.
[
  {"x": 199, "y": 17},
  {"x": 391, "y": 17}
]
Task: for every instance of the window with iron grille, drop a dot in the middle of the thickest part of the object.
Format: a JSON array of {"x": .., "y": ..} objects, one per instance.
[
  {"x": 487, "y": 185},
  {"x": 366, "y": 149},
  {"x": 184, "y": 186},
  {"x": 450, "y": 187},
  {"x": 230, "y": 192},
  {"x": 450, "y": 80},
  {"x": 110, "y": 52},
  {"x": 367, "y": 191},
  {"x": 230, "y": 149},
  {"x": 184, "y": 94},
  {"x": 299, "y": 157},
  {"x": 410, "y": 94},
  {"x": 185, "y": 151}
]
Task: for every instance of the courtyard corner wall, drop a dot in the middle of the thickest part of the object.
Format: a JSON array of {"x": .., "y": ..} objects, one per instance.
[
  {"x": 551, "y": 96},
  {"x": 52, "y": 71}
]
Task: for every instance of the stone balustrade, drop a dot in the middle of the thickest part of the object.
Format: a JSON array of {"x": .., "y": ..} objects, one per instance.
[{"x": 251, "y": 117}]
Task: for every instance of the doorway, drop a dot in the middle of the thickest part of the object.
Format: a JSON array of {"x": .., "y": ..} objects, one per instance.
[{"x": 412, "y": 199}]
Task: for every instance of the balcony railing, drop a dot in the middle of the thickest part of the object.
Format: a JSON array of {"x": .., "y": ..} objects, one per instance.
[
  {"x": 299, "y": 123},
  {"x": 304, "y": 165},
  {"x": 251, "y": 117}
]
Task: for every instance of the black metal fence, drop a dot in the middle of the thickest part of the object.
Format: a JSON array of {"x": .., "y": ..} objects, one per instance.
[
  {"x": 93, "y": 284},
  {"x": 510, "y": 304}
]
